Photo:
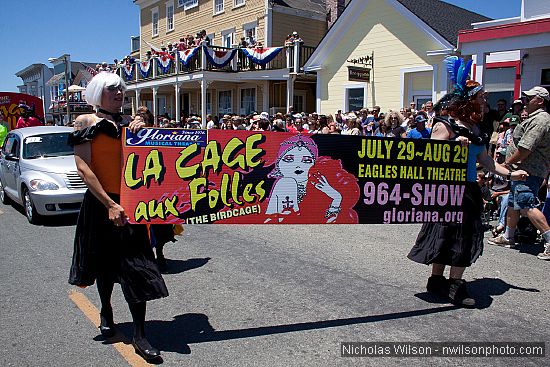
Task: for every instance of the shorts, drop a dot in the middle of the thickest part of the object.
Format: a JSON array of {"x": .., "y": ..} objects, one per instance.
[{"x": 524, "y": 194}]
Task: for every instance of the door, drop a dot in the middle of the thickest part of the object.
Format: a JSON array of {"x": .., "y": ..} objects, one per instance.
[
  {"x": 162, "y": 105},
  {"x": 10, "y": 168},
  {"x": 185, "y": 104}
]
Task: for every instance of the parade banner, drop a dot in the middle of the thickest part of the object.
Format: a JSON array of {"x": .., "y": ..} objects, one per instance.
[
  {"x": 247, "y": 177},
  {"x": 10, "y": 110}
]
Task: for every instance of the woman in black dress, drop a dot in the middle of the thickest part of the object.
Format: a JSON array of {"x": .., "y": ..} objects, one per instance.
[
  {"x": 459, "y": 244},
  {"x": 107, "y": 248}
]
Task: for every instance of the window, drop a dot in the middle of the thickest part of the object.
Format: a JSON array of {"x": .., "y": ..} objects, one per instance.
[
  {"x": 187, "y": 4},
  {"x": 499, "y": 82},
  {"x": 250, "y": 32},
  {"x": 355, "y": 99},
  {"x": 54, "y": 92},
  {"x": 545, "y": 78},
  {"x": 239, "y": 2},
  {"x": 248, "y": 101},
  {"x": 208, "y": 102},
  {"x": 224, "y": 102},
  {"x": 155, "y": 21},
  {"x": 218, "y": 6},
  {"x": 169, "y": 17}
]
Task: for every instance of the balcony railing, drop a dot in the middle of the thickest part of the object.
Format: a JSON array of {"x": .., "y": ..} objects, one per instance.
[{"x": 291, "y": 57}]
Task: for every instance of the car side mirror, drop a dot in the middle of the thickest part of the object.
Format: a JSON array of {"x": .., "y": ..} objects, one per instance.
[{"x": 12, "y": 157}]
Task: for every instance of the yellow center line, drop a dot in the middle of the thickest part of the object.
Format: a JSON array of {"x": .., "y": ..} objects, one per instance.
[{"x": 124, "y": 347}]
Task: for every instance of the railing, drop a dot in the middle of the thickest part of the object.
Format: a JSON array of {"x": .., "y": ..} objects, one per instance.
[{"x": 291, "y": 57}]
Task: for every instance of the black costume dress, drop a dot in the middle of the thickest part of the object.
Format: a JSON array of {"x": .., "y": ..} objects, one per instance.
[
  {"x": 455, "y": 244},
  {"x": 102, "y": 250}
]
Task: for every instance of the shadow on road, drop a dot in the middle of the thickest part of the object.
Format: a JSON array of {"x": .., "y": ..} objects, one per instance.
[
  {"x": 484, "y": 288},
  {"x": 176, "y": 335},
  {"x": 180, "y": 266},
  {"x": 481, "y": 290},
  {"x": 63, "y": 220}
]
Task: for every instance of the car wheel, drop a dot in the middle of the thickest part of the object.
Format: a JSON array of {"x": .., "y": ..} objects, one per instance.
[
  {"x": 3, "y": 196},
  {"x": 30, "y": 211}
]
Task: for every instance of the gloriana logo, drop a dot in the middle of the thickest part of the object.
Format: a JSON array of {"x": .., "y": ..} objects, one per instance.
[{"x": 166, "y": 137}]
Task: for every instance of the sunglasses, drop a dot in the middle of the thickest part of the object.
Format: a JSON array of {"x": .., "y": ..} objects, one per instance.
[{"x": 112, "y": 88}]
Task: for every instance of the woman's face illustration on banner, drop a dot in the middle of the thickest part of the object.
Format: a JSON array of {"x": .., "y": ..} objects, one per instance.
[{"x": 296, "y": 163}]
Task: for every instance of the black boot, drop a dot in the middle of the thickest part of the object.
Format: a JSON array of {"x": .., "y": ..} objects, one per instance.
[
  {"x": 144, "y": 349},
  {"x": 438, "y": 284},
  {"x": 106, "y": 324},
  {"x": 161, "y": 260},
  {"x": 458, "y": 294}
]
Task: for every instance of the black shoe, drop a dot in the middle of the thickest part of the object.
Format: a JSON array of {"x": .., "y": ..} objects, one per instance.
[
  {"x": 458, "y": 294},
  {"x": 107, "y": 326},
  {"x": 145, "y": 350},
  {"x": 439, "y": 285}
]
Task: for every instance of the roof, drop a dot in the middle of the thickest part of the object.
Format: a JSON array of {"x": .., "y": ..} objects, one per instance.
[
  {"x": 31, "y": 67},
  {"x": 38, "y": 130},
  {"x": 317, "y": 6},
  {"x": 446, "y": 19}
]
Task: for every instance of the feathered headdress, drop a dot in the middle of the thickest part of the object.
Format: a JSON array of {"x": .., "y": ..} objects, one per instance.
[{"x": 463, "y": 88}]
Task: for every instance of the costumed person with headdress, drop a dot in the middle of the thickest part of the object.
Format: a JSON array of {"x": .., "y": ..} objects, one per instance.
[
  {"x": 459, "y": 244},
  {"x": 107, "y": 249},
  {"x": 28, "y": 117}
]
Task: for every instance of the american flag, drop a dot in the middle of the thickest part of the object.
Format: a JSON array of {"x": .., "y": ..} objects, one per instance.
[{"x": 90, "y": 70}]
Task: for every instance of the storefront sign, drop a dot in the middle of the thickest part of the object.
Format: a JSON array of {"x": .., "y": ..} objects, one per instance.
[{"x": 358, "y": 74}]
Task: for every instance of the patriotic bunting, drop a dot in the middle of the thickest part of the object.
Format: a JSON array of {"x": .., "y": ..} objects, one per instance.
[
  {"x": 164, "y": 62},
  {"x": 261, "y": 55},
  {"x": 128, "y": 71},
  {"x": 144, "y": 68},
  {"x": 187, "y": 55},
  {"x": 219, "y": 58}
]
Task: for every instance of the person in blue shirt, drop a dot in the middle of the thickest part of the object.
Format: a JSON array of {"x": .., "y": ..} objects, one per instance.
[{"x": 420, "y": 131}]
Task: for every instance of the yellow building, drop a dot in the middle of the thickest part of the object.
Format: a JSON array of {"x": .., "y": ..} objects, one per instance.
[
  {"x": 398, "y": 47},
  {"x": 239, "y": 87}
]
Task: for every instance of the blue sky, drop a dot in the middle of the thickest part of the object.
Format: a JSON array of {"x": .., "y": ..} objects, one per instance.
[{"x": 94, "y": 31}]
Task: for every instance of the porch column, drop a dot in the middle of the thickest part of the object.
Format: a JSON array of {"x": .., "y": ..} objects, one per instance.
[
  {"x": 154, "y": 67},
  {"x": 203, "y": 57},
  {"x": 290, "y": 91},
  {"x": 479, "y": 62},
  {"x": 265, "y": 99},
  {"x": 297, "y": 57},
  {"x": 177, "y": 89},
  {"x": 138, "y": 92},
  {"x": 203, "y": 102},
  {"x": 155, "y": 112}
]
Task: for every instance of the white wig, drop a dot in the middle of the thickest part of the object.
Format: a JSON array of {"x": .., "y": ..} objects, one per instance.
[{"x": 102, "y": 80}]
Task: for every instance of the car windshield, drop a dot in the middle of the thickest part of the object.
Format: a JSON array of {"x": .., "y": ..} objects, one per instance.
[{"x": 47, "y": 145}]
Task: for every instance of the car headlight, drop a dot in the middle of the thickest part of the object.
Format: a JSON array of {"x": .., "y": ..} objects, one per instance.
[{"x": 43, "y": 185}]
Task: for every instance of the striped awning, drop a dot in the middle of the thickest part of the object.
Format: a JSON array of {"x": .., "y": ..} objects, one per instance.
[{"x": 54, "y": 80}]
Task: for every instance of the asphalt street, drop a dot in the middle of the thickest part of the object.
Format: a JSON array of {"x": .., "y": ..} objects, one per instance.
[{"x": 266, "y": 296}]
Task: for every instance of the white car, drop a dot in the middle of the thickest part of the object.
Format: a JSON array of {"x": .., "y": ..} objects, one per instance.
[{"x": 38, "y": 171}]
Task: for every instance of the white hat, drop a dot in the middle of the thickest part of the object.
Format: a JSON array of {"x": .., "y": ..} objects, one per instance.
[
  {"x": 539, "y": 92},
  {"x": 264, "y": 115}
]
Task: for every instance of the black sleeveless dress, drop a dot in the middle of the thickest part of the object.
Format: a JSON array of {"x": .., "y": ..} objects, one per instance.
[{"x": 103, "y": 250}]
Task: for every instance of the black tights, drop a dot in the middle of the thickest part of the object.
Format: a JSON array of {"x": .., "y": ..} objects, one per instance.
[{"x": 138, "y": 310}]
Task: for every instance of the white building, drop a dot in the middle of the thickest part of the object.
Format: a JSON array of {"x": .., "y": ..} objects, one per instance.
[
  {"x": 35, "y": 77},
  {"x": 511, "y": 55}
]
